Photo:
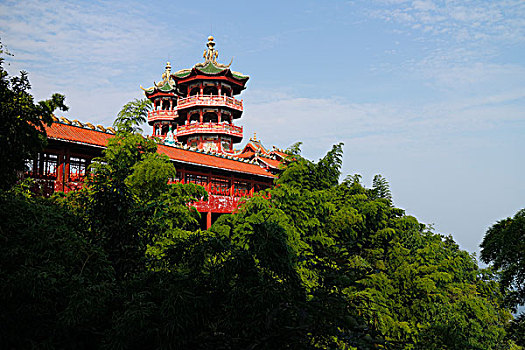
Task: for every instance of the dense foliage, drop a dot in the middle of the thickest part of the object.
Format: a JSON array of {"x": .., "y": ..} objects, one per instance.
[
  {"x": 504, "y": 247},
  {"x": 22, "y": 132},
  {"x": 312, "y": 263}
]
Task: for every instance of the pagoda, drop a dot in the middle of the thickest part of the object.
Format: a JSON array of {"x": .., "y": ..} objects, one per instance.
[
  {"x": 193, "y": 115},
  {"x": 197, "y": 107}
]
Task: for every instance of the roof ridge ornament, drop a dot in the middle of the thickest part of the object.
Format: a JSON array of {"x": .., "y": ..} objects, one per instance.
[
  {"x": 166, "y": 79},
  {"x": 211, "y": 54}
]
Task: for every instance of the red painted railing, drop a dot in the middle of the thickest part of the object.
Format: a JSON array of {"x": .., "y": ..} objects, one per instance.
[
  {"x": 209, "y": 100},
  {"x": 162, "y": 115},
  {"x": 209, "y": 128}
]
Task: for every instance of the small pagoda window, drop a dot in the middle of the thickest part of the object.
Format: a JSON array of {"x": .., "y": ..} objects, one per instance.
[
  {"x": 220, "y": 186},
  {"x": 30, "y": 167},
  {"x": 210, "y": 117},
  {"x": 195, "y": 91},
  {"x": 242, "y": 188},
  {"x": 194, "y": 118},
  {"x": 225, "y": 91},
  {"x": 48, "y": 164},
  {"x": 77, "y": 168},
  {"x": 210, "y": 90},
  {"x": 197, "y": 179},
  {"x": 226, "y": 145}
]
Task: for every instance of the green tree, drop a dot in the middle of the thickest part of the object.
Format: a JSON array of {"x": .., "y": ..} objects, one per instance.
[
  {"x": 55, "y": 287},
  {"x": 22, "y": 121},
  {"x": 504, "y": 247},
  {"x": 132, "y": 115},
  {"x": 400, "y": 282}
]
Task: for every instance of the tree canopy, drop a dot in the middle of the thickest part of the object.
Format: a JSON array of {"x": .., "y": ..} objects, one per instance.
[
  {"x": 22, "y": 133},
  {"x": 313, "y": 263},
  {"x": 504, "y": 247}
]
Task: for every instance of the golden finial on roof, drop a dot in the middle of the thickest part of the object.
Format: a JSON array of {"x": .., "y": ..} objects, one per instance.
[
  {"x": 167, "y": 72},
  {"x": 211, "y": 54},
  {"x": 166, "y": 79}
]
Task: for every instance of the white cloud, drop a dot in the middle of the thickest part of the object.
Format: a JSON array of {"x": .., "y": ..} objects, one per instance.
[
  {"x": 320, "y": 122},
  {"x": 463, "y": 21},
  {"x": 93, "y": 41}
]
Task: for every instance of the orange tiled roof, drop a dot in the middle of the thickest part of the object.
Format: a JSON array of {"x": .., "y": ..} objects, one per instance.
[
  {"x": 72, "y": 133},
  {"x": 255, "y": 146},
  {"x": 273, "y": 163},
  {"x": 247, "y": 154},
  {"x": 211, "y": 160},
  {"x": 59, "y": 131},
  {"x": 280, "y": 153}
]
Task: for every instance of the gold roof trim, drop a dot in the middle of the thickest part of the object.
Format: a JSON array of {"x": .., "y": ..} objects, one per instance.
[
  {"x": 166, "y": 79},
  {"x": 211, "y": 54}
]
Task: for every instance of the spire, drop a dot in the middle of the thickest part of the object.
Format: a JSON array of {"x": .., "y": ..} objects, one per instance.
[
  {"x": 211, "y": 54},
  {"x": 167, "y": 81},
  {"x": 167, "y": 73}
]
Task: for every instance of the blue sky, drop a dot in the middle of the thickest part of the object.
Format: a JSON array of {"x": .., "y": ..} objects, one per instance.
[{"x": 430, "y": 94}]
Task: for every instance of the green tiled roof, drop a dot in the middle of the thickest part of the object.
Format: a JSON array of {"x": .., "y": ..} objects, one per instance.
[
  {"x": 239, "y": 75},
  {"x": 166, "y": 87},
  {"x": 182, "y": 73},
  {"x": 210, "y": 68}
]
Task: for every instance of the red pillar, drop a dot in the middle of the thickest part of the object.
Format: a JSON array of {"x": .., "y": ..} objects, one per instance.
[
  {"x": 252, "y": 188},
  {"x": 59, "y": 184},
  {"x": 208, "y": 220},
  {"x": 66, "y": 167}
]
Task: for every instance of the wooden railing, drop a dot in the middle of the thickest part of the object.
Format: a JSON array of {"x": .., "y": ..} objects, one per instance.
[
  {"x": 162, "y": 114},
  {"x": 209, "y": 128},
  {"x": 209, "y": 100}
]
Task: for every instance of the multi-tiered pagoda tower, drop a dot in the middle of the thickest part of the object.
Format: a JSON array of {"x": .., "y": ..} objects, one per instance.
[{"x": 197, "y": 106}]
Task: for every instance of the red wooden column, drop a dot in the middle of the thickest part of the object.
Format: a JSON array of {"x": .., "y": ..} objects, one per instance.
[
  {"x": 66, "y": 168},
  {"x": 252, "y": 188},
  {"x": 59, "y": 183},
  {"x": 208, "y": 220}
]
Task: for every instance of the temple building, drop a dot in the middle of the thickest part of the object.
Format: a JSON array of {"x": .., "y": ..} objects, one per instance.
[{"x": 193, "y": 117}]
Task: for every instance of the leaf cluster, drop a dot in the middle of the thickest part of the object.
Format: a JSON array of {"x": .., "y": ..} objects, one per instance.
[{"x": 22, "y": 121}]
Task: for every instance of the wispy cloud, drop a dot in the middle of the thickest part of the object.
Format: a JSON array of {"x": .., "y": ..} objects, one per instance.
[
  {"x": 462, "y": 21},
  {"x": 93, "y": 52},
  {"x": 461, "y": 41},
  {"x": 93, "y": 41},
  {"x": 320, "y": 122}
]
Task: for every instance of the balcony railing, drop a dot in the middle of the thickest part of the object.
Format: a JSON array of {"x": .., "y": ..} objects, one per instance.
[
  {"x": 209, "y": 100},
  {"x": 209, "y": 128},
  {"x": 162, "y": 115}
]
